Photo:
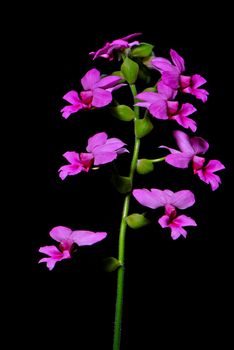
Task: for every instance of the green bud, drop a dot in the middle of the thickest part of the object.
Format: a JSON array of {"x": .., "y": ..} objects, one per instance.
[
  {"x": 111, "y": 264},
  {"x": 130, "y": 69},
  {"x": 122, "y": 183},
  {"x": 142, "y": 50},
  {"x": 137, "y": 221},
  {"x": 143, "y": 127},
  {"x": 144, "y": 166},
  {"x": 123, "y": 112}
]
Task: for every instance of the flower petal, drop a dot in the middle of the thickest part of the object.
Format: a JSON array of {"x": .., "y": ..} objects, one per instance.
[
  {"x": 161, "y": 64},
  {"x": 159, "y": 109},
  {"x": 149, "y": 97},
  {"x": 199, "y": 145},
  {"x": 183, "y": 142},
  {"x": 68, "y": 110},
  {"x": 72, "y": 97},
  {"x": 72, "y": 157},
  {"x": 131, "y": 36},
  {"x": 101, "y": 98},
  {"x": 50, "y": 250},
  {"x": 179, "y": 160},
  {"x": 183, "y": 199},
  {"x": 96, "y": 140},
  {"x": 90, "y": 79},
  {"x": 108, "y": 82},
  {"x": 83, "y": 238},
  {"x": 177, "y": 60},
  {"x": 152, "y": 199},
  {"x": 166, "y": 90},
  {"x": 197, "y": 80},
  {"x": 104, "y": 157},
  {"x": 184, "y": 220},
  {"x": 214, "y": 165},
  {"x": 60, "y": 233}
]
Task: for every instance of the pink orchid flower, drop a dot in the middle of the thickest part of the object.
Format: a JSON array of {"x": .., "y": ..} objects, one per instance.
[
  {"x": 97, "y": 93},
  {"x": 67, "y": 238},
  {"x": 189, "y": 148},
  {"x": 161, "y": 106},
  {"x": 172, "y": 76},
  {"x": 155, "y": 198},
  {"x": 206, "y": 173},
  {"x": 101, "y": 150},
  {"x": 118, "y": 45}
]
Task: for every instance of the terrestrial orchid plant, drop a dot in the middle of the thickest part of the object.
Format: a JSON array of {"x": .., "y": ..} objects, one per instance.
[{"x": 159, "y": 101}]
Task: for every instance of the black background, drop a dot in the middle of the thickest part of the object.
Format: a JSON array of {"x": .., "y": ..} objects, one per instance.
[{"x": 173, "y": 288}]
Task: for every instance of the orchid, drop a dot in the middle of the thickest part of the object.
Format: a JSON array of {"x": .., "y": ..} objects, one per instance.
[
  {"x": 206, "y": 173},
  {"x": 161, "y": 106},
  {"x": 189, "y": 148},
  {"x": 162, "y": 100},
  {"x": 155, "y": 198},
  {"x": 67, "y": 238},
  {"x": 96, "y": 94},
  {"x": 172, "y": 76},
  {"x": 118, "y": 46},
  {"x": 101, "y": 150}
]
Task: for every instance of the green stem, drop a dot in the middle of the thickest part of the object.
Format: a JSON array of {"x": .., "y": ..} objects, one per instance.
[
  {"x": 157, "y": 160},
  {"x": 122, "y": 234}
]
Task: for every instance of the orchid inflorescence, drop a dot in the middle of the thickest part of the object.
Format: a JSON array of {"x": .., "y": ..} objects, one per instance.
[{"x": 159, "y": 101}]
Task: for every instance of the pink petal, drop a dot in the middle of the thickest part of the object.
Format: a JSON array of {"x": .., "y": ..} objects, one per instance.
[
  {"x": 69, "y": 170},
  {"x": 172, "y": 150},
  {"x": 149, "y": 97},
  {"x": 183, "y": 142},
  {"x": 96, "y": 140},
  {"x": 131, "y": 36},
  {"x": 101, "y": 98},
  {"x": 172, "y": 107},
  {"x": 179, "y": 160},
  {"x": 143, "y": 104},
  {"x": 214, "y": 165},
  {"x": 177, "y": 60},
  {"x": 83, "y": 238},
  {"x": 72, "y": 157},
  {"x": 104, "y": 158},
  {"x": 68, "y": 110},
  {"x": 201, "y": 94},
  {"x": 60, "y": 233},
  {"x": 177, "y": 231},
  {"x": 166, "y": 90},
  {"x": 184, "y": 220},
  {"x": 187, "y": 109},
  {"x": 90, "y": 79},
  {"x": 171, "y": 78},
  {"x": 209, "y": 178},
  {"x": 197, "y": 80},
  {"x": 162, "y": 64},
  {"x": 164, "y": 221},
  {"x": 152, "y": 199},
  {"x": 108, "y": 82},
  {"x": 199, "y": 145},
  {"x": 117, "y": 87},
  {"x": 159, "y": 109},
  {"x": 198, "y": 163},
  {"x": 185, "y": 122},
  {"x": 72, "y": 97},
  {"x": 183, "y": 199},
  {"x": 185, "y": 81},
  {"x": 50, "y": 250}
]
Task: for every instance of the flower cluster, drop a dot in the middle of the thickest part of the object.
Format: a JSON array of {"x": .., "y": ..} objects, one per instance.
[{"x": 161, "y": 102}]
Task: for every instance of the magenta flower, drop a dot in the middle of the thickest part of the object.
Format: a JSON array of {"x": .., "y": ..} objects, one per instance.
[
  {"x": 78, "y": 163},
  {"x": 189, "y": 148},
  {"x": 101, "y": 150},
  {"x": 206, "y": 173},
  {"x": 97, "y": 93},
  {"x": 155, "y": 198},
  {"x": 67, "y": 238},
  {"x": 172, "y": 76},
  {"x": 118, "y": 45},
  {"x": 161, "y": 107}
]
